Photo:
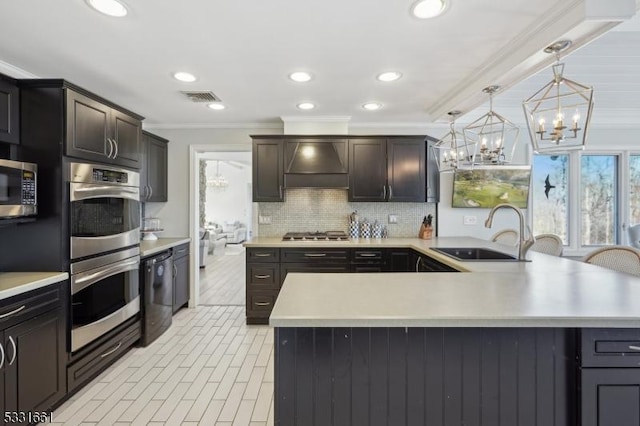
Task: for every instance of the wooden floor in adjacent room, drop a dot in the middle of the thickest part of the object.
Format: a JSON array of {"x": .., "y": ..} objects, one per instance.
[{"x": 222, "y": 281}]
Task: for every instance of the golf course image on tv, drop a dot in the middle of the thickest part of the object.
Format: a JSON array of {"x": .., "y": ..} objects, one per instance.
[{"x": 488, "y": 187}]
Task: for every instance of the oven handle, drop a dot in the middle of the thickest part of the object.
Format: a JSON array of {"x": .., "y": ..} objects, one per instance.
[
  {"x": 83, "y": 280},
  {"x": 87, "y": 191}
]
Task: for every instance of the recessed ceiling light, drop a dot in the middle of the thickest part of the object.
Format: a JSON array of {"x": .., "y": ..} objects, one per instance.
[
  {"x": 300, "y": 76},
  {"x": 109, "y": 7},
  {"x": 184, "y": 77},
  {"x": 389, "y": 76},
  {"x": 372, "y": 106},
  {"x": 306, "y": 105},
  {"x": 216, "y": 106},
  {"x": 424, "y": 9}
]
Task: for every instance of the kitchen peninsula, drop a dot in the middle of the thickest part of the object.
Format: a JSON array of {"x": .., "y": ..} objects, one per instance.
[{"x": 547, "y": 342}]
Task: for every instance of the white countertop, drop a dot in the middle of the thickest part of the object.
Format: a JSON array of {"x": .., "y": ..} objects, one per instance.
[
  {"x": 148, "y": 248},
  {"x": 546, "y": 292},
  {"x": 14, "y": 283}
]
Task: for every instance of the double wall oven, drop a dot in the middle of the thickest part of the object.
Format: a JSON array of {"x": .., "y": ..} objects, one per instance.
[{"x": 104, "y": 215}]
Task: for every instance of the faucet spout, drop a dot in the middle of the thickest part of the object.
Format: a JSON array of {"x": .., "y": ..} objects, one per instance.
[{"x": 524, "y": 244}]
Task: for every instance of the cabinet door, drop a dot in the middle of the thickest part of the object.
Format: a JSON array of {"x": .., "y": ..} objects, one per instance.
[
  {"x": 35, "y": 361},
  {"x": 406, "y": 169},
  {"x": 180, "y": 282},
  {"x": 433, "y": 175},
  {"x": 153, "y": 184},
  {"x": 125, "y": 132},
  {"x": 2, "y": 381},
  {"x": 268, "y": 170},
  {"x": 88, "y": 128},
  {"x": 610, "y": 396},
  {"x": 399, "y": 260},
  {"x": 367, "y": 169},
  {"x": 9, "y": 110}
]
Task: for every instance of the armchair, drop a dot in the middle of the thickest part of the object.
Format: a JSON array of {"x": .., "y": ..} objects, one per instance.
[{"x": 235, "y": 232}]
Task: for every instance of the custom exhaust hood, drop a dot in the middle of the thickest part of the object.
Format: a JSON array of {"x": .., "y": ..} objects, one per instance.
[{"x": 316, "y": 163}]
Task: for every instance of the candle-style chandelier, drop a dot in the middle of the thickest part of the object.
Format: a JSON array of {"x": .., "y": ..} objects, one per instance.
[
  {"x": 218, "y": 181},
  {"x": 495, "y": 138},
  {"x": 451, "y": 151},
  {"x": 558, "y": 115}
]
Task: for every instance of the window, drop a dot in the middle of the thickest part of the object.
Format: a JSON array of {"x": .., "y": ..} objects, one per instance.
[
  {"x": 634, "y": 189},
  {"x": 598, "y": 199},
  {"x": 550, "y": 188}
]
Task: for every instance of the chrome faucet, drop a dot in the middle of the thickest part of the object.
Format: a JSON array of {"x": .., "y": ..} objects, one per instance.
[{"x": 524, "y": 244}]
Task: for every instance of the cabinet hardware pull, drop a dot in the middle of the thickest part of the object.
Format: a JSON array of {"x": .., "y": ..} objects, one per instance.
[
  {"x": 418, "y": 261},
  {"x": 182, "y": 250},
  {"x": 280, "y": 191},
  {"x": 110, "y": 148},
  {"x": 367, "y": 254},
  {"x": 262, "y": 277},
  {"x": 115, "y": 142},
  {"x": 634, "y": 348},
  {"x": 262, "y": 254},
  {"x": 262, "y": 303},
  {"x": 15, "y": 350},
  {"x": 150, "y": 190},
  {"x": 15, "y": 311},
  {"x": 1, "y": 358},
  {"x": 111, "y": 351},
  {"x": 390, "y": 192},
  {"x": 175, "y": 271},
  {"x": 315, "y": 254},
  {"x": 384, "y": 192}
]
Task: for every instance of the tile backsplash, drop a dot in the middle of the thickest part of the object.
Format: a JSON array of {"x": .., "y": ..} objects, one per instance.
[{"x": 328, "y": 210}]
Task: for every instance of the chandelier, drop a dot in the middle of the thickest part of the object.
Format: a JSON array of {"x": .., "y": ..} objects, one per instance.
[
  {"x": 495, "y": 138},
  {"x": 568, "y": 106},
  {"x": 218, "y": 181},
  {"x": 451, "y": 151}
]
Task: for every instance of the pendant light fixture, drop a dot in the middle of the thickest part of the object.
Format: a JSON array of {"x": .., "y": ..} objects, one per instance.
[
  {"x": 558, "y": 115},
  {"x": 219, "y": 181},
  {"x": 495, "y": 138},
  {"x": 451, "y": 151}
]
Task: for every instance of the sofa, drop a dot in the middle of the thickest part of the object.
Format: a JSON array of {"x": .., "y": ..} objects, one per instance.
[
  {"x": 235, "y": 232},
  {"x": 204, "y": 247}
]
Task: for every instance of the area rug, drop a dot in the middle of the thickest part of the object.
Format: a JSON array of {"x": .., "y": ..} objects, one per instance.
[{"x": 233, "y": 249}]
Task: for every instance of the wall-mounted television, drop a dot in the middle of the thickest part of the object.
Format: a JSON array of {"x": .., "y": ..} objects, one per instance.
[{"x": 486, "y": 187}]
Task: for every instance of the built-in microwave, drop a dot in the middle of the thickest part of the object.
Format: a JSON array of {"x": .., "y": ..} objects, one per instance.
[{"x": 18, "y": 189}]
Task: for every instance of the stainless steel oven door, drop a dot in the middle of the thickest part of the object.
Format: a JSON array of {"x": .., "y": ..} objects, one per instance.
[
  {"x": 103, "y": 217},
  {"x": 104, "y": 296}
]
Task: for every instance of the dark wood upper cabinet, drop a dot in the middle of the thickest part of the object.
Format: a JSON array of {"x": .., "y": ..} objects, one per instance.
[
  {"x": 98, "y": 132},
  {"x": 154, "y": 165},
  {"x": 406, "y": 179},
  {"x": 268, "y": 169},
  {"x": 387, "y": 169},
  {"x": 367, "y": 169},
  {"x": 9, "y": 112}
]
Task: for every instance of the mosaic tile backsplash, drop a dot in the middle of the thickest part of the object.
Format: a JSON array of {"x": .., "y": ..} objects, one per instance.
[{"x": 328, "y": 210}]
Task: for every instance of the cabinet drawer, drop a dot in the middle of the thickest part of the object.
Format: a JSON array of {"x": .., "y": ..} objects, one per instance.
[
  {"x": 366, "y": 256},
  {"x": 17, "y": 308},
  {"x": 286, "y": 268},
  {"x": 181, "y": 251},
  {"x": 314, "y": 255},
  {"x": 263, "y": 254},
  {"x": 260, "y": 303},
  {"x": 263, "y": 276},
  {"x": 102, "y": 356},
  {"x": 602, "y": 347}
]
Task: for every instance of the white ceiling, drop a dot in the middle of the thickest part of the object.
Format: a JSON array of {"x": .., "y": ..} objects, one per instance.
[{"x": 243, "y": 51}]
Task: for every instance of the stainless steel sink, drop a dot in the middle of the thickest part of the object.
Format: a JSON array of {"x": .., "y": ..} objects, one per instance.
[{"x": 476, "y": 254}]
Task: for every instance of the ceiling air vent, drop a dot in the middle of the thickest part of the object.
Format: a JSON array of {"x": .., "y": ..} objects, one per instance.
[{"x": 202, "y": 96}]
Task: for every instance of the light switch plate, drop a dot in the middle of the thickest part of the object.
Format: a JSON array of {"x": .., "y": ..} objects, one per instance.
[
  {"x": 470, "y": 220},
  {"x": 393, "y": 218}
]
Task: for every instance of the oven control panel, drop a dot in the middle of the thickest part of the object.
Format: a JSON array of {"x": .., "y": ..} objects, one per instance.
[{"x": 103, "y": 175}]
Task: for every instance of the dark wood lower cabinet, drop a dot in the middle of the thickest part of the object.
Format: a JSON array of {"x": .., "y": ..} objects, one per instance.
[
  {"x": 425, "y": 376},
  {"x": 180, "y": 276},
  {"x": 611, "y": 397},
  {"x": 35, "y": 360}
]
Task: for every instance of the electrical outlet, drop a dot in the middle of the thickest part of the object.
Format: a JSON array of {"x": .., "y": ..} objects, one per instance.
[
  {"x": 393, "y": 218},
  {"x": 470, "y": 220},
  {"x": 264, "y": 220}
]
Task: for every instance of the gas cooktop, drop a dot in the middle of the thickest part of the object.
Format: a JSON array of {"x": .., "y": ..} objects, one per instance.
[{"x": 316, "y": 236}]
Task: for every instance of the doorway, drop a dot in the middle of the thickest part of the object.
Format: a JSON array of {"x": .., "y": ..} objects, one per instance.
[{"x": 221, "y": 214}]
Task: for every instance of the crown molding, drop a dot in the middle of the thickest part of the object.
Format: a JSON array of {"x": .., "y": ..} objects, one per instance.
[
  {"x": 315, "y": 118},
  {"x": 189, "y": 126},
  {"x": 15, "y": 72}
]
